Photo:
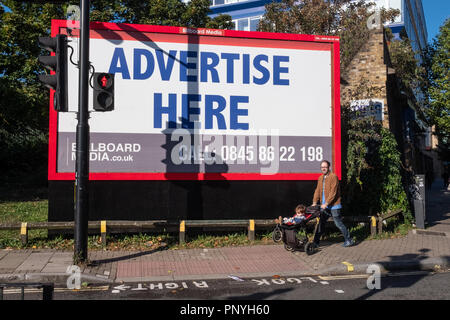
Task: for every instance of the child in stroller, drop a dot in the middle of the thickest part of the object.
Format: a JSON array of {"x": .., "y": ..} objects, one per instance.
[
  {"x": 287, "y": 228},
  {"x": 299, "y": 216}
]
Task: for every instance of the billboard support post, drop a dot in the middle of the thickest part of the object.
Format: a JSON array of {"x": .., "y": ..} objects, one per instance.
[{"x": 82, "y": 143}]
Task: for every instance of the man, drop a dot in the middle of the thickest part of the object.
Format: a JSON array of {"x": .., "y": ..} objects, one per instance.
[
  {"x": 328, "y": 192},
  {"x": 445, "y": 177}
]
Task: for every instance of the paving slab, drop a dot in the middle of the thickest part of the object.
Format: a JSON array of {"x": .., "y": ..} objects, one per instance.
[
  {"x": 35, "y": 262},
  {"x": 13, "y": 259},
  {"x": 3, "y": 253}
]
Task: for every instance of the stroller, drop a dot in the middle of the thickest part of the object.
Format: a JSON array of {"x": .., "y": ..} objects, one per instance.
[{"x": 288, "y": 233}]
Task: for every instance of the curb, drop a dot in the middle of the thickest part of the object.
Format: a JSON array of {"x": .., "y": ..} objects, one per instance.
[
  {"x": 386, "y": 267},
  {"x": 430, "y": 233},
  {"x": 56, "y": 278},
  {"x": 347, "y": 269},
  {"x": 218, "y": 276}
]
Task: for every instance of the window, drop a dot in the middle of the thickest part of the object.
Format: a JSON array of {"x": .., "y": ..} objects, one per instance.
[
  {"x": 219, "y": 2},
  {"x": 247, "y": 24},
  {"x": 243, "y": 24},
  {"x": 254, "y": 24},
  {"x": 216, "y": 2}
]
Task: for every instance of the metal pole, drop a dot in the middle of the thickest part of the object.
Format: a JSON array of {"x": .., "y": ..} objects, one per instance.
[{"x": 82, "y": 147}]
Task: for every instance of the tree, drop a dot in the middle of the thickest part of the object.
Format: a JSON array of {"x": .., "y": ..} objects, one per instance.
[
  {"x": 158, "y": 12},
  {"x": 24, "y": 101},
  {"x": 344, "y": 18},
  {"x": 373, "y": 178},
  {"x": 406, "y": 66},
  {"x": 435, "y": 85}
]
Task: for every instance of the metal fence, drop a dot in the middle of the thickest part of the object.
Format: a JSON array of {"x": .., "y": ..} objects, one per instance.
[{"x": 47, "y": 289}]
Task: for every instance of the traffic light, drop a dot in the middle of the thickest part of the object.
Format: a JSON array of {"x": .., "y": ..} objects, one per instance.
[
  {"x": 103, "y": 91},
  {"x": 57, "y": 63}
]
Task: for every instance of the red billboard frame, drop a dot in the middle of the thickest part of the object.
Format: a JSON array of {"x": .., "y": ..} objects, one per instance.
[{"x": 228, "y": 36}]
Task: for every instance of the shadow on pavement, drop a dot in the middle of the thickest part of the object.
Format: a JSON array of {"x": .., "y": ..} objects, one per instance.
[
  {"x": 127, "y": 257},
  {"x": 437, "y": 211},
  {"x": 405, "y": 262},
  {"x": 260, "y": 295}
]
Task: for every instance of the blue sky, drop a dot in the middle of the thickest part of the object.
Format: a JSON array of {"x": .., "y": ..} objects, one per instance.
[{"x": 436, "y": 11}]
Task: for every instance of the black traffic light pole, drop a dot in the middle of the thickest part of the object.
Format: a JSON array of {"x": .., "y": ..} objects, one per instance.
[{"x": 82, "y": 147}]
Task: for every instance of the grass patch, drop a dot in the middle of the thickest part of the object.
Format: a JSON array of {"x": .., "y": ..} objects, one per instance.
[
  {"x": 22, "y": 211},
  {"x": 394, "y": 228}
]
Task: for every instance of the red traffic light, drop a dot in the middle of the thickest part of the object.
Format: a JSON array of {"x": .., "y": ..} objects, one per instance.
[
  {"x": 104, "y": 80},
  {"x": 103, "y": 94}
]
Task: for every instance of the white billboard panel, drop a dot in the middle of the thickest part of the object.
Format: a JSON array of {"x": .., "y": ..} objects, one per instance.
[{"x": 227, "y": 103}]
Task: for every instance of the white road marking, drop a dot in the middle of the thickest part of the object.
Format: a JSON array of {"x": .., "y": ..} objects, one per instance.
[
  {"x": 122, "y": 287},
  {"x": 139, "y": 288}
]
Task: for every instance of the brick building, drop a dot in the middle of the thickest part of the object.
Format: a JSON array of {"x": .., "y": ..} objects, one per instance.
[{"x": 370, "y": 75}]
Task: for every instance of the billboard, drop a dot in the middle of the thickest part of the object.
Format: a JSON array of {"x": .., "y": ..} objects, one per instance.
[{"x": 203, "y": 104}]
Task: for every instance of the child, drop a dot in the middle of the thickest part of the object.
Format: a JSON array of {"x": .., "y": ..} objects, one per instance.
[{"x": 299, "y": 216}]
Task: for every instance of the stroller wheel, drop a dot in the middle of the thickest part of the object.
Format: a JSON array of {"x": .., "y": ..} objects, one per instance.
[
  {"x": 301, "y": 246},
  {"x": 289, "y": 248},
  {"x": 277, "y": 234},
  {"x": 310, "y": 248}
]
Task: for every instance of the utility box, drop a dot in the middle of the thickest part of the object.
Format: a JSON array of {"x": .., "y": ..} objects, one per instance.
[{"x": 418, "y": 194}]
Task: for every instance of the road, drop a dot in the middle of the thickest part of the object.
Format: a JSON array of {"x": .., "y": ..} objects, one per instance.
[{"x": 404, "y": 286}]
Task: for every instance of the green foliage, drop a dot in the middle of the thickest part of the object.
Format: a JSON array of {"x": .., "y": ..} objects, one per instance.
[
  {"x": 158, "y": 12},
  {"x": 344, "y": 18},
  {"x": 406, "y": 66},
  {"x": 436, "y": 85},
  {"x": 392, "y": 193},
  {"x": 24, "y": 101},
  {"x": 24, "y": 156},
  {"x": 373, "y": 176},
  {"x": 21, "y": 211}
]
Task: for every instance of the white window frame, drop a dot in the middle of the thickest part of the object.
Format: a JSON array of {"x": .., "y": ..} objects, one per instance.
[{"x": 236, "y": 22}]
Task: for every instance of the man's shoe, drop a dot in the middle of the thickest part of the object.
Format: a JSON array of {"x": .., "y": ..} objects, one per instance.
[{"x": 348, "y": 243}]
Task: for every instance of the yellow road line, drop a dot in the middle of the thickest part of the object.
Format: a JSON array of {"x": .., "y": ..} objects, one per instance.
[
  {"x": 353, "y": 276},
  {"x": 35, "y": 290},
  {"x": 350, "y": 267}
]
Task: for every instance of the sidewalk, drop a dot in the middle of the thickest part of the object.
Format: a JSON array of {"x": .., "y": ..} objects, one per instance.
[{"x": 419, "y": 250}]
